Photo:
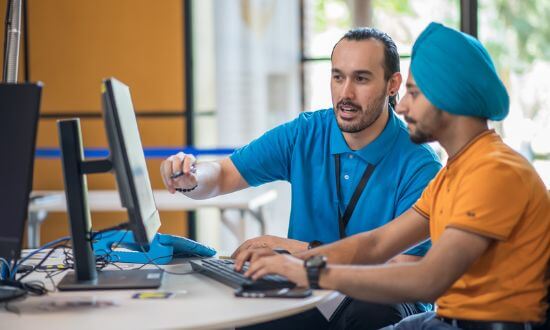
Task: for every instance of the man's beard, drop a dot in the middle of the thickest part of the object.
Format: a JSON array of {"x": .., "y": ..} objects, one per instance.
[
  {"x": 367, "y": 118},
  {"x": 418, "y": 136}
]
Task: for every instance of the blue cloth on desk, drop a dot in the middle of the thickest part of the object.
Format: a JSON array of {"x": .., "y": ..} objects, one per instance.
[{"x": 302, "y": 153}]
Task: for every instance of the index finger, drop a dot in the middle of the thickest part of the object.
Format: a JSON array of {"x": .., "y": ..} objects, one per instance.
[
  {"x": 241, "y": 247},
  {"x": 166, "y": 172},
  {"x": 241, "y": 259}
]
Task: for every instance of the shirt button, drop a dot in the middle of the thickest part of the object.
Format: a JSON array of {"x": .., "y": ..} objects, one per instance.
[
  {"x": 346, "y": 177},
  {"x": 350, "y": 156}
]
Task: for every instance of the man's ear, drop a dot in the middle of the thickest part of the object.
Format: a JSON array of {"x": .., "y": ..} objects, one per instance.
[{"x": 394, "y": 83}]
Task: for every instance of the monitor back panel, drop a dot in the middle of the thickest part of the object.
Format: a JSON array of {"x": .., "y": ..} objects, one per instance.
[{"x": 19, "y": 109}]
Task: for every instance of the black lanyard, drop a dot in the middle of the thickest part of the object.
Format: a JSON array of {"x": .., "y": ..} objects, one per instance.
[{"x": 343, "y": 220}]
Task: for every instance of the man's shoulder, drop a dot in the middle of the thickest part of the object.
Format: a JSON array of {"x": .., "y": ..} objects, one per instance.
[
  {"x": 502, "y": 163},
  {"x": 321, "y": 116},
  {"x": 313, "y": 122}
]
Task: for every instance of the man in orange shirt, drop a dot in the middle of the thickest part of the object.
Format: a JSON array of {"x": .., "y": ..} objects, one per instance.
[{"x": 487, "y": 211}]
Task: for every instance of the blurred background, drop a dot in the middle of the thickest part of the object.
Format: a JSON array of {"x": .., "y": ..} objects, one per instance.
[{"x": 215, "y": 74}]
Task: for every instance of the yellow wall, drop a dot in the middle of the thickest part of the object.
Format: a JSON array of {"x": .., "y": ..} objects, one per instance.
[{"x": 73, "y": 45}]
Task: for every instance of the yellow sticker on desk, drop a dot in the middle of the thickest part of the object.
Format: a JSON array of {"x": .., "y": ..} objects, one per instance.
[{"x": 152, "y": 295}]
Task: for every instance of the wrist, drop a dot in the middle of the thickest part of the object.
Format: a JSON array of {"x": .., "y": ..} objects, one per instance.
[
  {"x": 184, "y": 190},
  {"x": 314, "y": 266},
  {"x": 325, "y": 278},
  {"x": 298, "y": 247}
]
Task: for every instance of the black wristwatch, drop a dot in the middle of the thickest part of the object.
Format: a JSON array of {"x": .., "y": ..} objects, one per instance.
[
  {"x": 314, "y": 244},
  {"x": 314, "y": 265}
]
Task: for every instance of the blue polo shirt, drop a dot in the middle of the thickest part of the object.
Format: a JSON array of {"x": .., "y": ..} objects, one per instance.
[{"x": 302, "y": 153}]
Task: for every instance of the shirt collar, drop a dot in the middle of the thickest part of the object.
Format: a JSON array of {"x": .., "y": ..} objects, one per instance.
[
  {"x": 465, "y": 150},
  {"x": 374, "y": 151}
]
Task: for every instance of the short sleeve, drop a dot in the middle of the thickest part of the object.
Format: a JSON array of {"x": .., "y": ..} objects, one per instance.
[
  {"x": 416, "y": 185},
  {"x": 423, "y": 204},
  {"x": 490, "y": 201},
  {"x": 267, "y": 158}
]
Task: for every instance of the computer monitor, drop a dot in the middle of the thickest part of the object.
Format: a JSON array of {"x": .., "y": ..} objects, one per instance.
[
  {"x": 19, "y": 109},
  {"x": 127, "y": 160}
]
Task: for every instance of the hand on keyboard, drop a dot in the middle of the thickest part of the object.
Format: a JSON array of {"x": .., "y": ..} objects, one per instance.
[
  {"x": 223, "y": 271},
  {"x": 283, "y": 264},
  {"x": 251, "y": 256}
]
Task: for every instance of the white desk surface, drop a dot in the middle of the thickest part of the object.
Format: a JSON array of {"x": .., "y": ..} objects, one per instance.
[
  {"x": 202, "y": 303},
  {"x": 109, "y": 200}
]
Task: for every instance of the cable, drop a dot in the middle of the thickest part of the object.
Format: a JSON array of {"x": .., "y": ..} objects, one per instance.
[
  {"x": 106, "y": 258},
  {"x": 172, "y": 255},
  {"x": 4, "y": 271},
  {"x": 150, "y": 261},
  {"x": 108, "y": 261},
  {"x": 42, "y": 261},
  {"x": 124, "y": 225},
  {"x": 21, "y": 289},
  {"x": 45, "y": 246}
]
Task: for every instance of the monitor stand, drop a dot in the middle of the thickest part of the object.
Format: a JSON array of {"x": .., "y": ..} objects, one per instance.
[{"x": 85, "y": 276}]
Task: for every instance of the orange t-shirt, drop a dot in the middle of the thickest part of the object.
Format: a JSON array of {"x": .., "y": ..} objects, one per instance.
[{"x": 490, "y": 190}]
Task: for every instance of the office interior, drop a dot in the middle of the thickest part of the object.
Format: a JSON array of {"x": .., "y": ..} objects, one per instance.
[{"x": 213, "y": 74}]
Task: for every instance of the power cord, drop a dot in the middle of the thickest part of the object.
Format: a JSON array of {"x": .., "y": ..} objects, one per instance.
[
  {"x": 124, "y": 225},
  {"x": 28, "y": 256},
  {"x": 152, "y": 262}
]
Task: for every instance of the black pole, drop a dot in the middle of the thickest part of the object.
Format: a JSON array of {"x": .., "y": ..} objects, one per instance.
[
  {"x": 7, "y": 24},
  {"x": 468, "y": 17},
  {"x": 26, "y": 39},
  {"x": 302, "y": 57},
  {"x": 189, "y": 95}
]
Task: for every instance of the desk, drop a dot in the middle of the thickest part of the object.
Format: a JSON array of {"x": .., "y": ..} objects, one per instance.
[
  {"x": 250, "y": 200},
  {"x": 201, "y": 304}
]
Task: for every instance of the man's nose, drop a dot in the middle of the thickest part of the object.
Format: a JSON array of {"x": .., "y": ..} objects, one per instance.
[
  {"x": 348, "y": 90},
  {"x": 401, "y": 107}
]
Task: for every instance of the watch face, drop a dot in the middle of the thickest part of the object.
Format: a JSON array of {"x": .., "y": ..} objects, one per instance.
[{"x": 316, "y": 261}]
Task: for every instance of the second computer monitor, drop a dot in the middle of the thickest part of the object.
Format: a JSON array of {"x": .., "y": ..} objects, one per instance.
[{"x": 128, "y": 160}]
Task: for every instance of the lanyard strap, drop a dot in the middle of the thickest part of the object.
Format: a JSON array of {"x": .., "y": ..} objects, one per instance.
[{"x": 343, "y": 220}]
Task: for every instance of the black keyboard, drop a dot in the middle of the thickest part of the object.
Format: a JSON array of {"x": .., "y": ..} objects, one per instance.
[{"x": 222, "y": 270}]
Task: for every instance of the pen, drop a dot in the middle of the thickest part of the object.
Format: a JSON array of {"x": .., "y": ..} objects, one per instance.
[{"x": 178, "y": 174}]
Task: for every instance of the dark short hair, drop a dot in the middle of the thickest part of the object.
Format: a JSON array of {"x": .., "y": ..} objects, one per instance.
[{"x": 391, "y": 56}]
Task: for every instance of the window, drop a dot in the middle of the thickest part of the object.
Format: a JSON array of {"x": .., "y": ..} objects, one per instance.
[
  {"x": 325, "y": 21},
  {"x": 517, "y": 35}
]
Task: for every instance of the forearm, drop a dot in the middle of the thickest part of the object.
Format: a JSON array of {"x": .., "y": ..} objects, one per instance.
[
  {"x": 376, "y": 246},
  {"x": 424, "y": 280},
  {"x": 391, "y": 283},
  {"x": 357, "y": 249}
]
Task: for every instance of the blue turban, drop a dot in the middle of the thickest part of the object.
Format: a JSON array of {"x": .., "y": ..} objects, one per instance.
[{"x": 455, "y": 72}]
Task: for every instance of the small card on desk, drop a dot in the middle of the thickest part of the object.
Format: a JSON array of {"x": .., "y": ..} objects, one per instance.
[{"x": 152, "y": 295}]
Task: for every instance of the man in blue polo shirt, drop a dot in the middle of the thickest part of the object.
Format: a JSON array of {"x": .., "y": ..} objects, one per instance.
[{"x": 352, "y": 168}]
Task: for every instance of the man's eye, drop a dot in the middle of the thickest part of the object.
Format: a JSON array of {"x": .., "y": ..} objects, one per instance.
[
  {"x": 337, "y": 77},
  {"x": 413, "y": 94},
  {"x": 361, "y": 79}
]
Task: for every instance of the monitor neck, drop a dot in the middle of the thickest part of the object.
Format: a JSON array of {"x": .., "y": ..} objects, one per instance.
[{"x": 75, "y": 169}]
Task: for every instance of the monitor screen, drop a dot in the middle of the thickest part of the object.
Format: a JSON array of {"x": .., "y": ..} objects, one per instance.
[{"x": 128, "y": 160}]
